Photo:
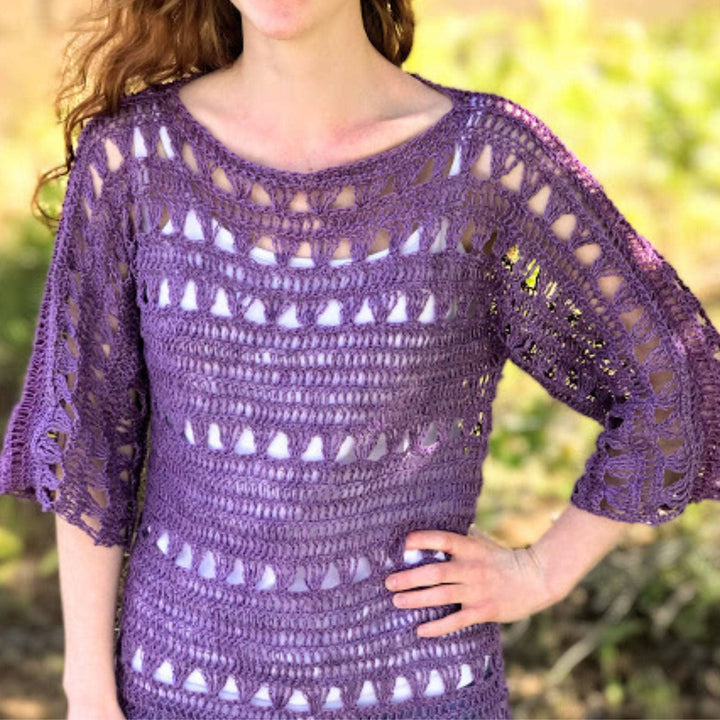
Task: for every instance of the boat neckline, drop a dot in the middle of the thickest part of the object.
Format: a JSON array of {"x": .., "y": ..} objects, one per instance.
[{"x": 388, "y": 157}]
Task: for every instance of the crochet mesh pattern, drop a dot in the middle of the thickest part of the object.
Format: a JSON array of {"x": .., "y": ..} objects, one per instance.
[{"x": 311, "y": 360}]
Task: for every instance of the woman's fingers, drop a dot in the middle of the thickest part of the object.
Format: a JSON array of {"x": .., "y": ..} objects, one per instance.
[
  {"x": 430, "y": 574},
  {"x": 449, "y": 623},
  {"x": 430, "y": 597},
  {"x": 461, "y": 548},
  {"x": 489, "y": 581}
]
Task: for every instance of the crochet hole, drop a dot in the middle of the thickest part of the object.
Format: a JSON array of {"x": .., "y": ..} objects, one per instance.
[
  {"x": 184, "y": 558},
  {"x": 454, "y": 162},
  {"x": 69, "y": 411},
  {"x": 452, "y": 310},
  {"x": 222, "y": 237},
  {"x": 671, "y": 477},
  {"x": 482, "y": 166},
  {"x": 74, "y": 311},
  {"x": 299, "y": 202},
  {"x": 660, "y": 379},
  {"x": 113, "y": 323},
  {"x": 71, "y": 381},
  {"x": 513, "y": 179},
  {"x": 139, "y": 149},
  {"x": 99, "y": 495},
  {"x": 465, "y": 242},
  {"x": 588, "y": 254},
  {"x": 96, "y": 179},
  {"x": 59, "y": 437},
  {"x": 114, "y": 156},
  {"x": 195, "y": 682},
  {"x": 164, "y": 673},
  {"x": 123, "y": 268},
  {"x": 164, "y": 146},
  {"x": 488, "y": 247},
  {"x": 259, "y": 195},
  {"x": 539, "y": 201},
  {"x": 670, "y": 445},
  {"x": 388, "y": 188},
  {"x": 127, "y": 450},
  {"x": 425, "y": 173},
  {"x": 345, "y": 198},
  {"x": 564, "y": 226},
  {"x": 431, "y": 434},
  {"x": 613, "y": 480},
  {"x": 189, "y": 157},
  {"x": 206, "y": 568},
  {"x": 381, "y": 242},
  {"x": 630, "y": 318},
  {"x": 612, "y": 452},
  {"x": 609, "y": 285},
  {"x": 379, "y": 449},
  {"x": 165, "y": 224},
  {"x": 189, "y": 298},
  {"x": 642, "y": 351},
  {"x": 477, "y": 428},
  {"x": 220, "y": 179},
  {"x": 511, "y": 256},
  {"x": 91, "y": 521}
]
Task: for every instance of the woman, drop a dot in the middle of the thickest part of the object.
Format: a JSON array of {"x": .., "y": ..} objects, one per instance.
[{"x": 302, "y": 269}]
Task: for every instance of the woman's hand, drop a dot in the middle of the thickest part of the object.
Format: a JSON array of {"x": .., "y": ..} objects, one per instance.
[{"x": 493, "y": 583}]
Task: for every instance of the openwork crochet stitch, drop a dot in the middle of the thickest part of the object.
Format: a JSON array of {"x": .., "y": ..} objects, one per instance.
[{"x": 311, "y": 360}]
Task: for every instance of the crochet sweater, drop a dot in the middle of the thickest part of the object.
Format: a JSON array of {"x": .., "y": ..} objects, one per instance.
[{"x": 310, "y": 359}]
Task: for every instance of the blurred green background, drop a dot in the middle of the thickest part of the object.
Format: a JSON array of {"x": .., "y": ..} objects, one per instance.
[{"x": 633, "y": 89}]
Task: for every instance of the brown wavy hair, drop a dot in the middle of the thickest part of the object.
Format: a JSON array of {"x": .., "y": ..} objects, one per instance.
[{"x": 137, "y": 43}]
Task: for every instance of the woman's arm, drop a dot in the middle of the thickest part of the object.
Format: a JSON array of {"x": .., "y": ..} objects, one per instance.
[
  {"x": 571, "y": 547},
  {"x": 89, "y": 580},
  {"x": 495, "y": 583}
]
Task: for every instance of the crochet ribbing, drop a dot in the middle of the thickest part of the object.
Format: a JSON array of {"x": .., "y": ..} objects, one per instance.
[{"x": 311, "y": 360}]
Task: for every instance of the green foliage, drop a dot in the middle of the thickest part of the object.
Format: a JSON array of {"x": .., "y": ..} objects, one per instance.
[{"x": 11, "y": 544}]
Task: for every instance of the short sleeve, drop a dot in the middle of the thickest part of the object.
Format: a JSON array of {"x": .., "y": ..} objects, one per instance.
[
  {"x": 75, "y": 439},
  {"x": 592, "y": 311}
]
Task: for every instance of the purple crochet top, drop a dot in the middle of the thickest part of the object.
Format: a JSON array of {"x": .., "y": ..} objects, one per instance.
[{"x": 315, "y": 356}]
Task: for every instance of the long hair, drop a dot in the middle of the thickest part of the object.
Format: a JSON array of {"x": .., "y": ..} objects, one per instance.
[{"x": 137, "y": 43}]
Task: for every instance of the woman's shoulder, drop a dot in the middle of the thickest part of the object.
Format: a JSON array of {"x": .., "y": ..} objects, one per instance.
[
  {"x": 510, "y": 126},
  {"x": 148, "y": 101},
  {"x": 144, "y": 105},
  {"x": 506, "y": 114},
  {"x": 126, "y": 126}
]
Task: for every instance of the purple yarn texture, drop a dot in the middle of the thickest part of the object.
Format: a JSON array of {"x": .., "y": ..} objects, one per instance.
[{"x": 305, "y": 364}]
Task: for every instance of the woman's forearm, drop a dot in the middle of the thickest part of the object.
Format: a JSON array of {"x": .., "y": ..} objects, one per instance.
[
  {"x": 572, "y": 546},
  {"x": 89, "y": 579}
]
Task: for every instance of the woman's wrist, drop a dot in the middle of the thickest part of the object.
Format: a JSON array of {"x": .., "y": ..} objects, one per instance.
[
  {"x": 534, "y": 564},
  {"x": 98, "y": 688},
  {"x": 571, "y": 547}
]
